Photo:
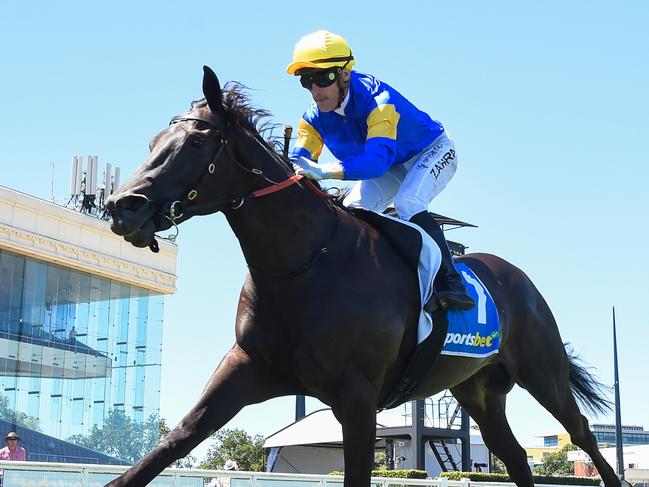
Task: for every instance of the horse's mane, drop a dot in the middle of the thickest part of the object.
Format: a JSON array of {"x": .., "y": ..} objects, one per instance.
[{"x": 240, "y": 112}]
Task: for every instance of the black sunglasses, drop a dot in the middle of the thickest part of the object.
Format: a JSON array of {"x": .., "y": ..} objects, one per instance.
[{"x": 321, "y": 78}]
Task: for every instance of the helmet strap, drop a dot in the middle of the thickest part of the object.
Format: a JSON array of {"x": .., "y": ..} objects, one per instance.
[{"x": 343, "y": 87}]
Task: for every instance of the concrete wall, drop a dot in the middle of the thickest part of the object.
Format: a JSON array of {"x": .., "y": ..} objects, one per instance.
[
  {"x": 309, "y": 459},
  {"x": 323, "y": 460}
]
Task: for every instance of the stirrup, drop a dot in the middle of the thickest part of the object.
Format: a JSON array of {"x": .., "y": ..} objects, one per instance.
[
  {"x": 435, "y": 303},
  {"x": 449, "y": 300},
  {"x": 455, "y": 300}
]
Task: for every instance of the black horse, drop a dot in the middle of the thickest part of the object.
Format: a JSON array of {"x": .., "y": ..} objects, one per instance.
[{"x": 329, "y": 307}]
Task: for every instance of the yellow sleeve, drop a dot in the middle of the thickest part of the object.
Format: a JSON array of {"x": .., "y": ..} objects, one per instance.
[
  {"x": 382, "y": 122},
  {"x": 309, "y": 140}
]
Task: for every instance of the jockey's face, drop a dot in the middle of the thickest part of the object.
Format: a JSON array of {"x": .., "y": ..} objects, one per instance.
[{"x": 327, "y": 98}]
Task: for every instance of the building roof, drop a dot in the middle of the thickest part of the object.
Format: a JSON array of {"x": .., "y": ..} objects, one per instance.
[
  {"x": 321, "y": 427},
  {"x": 315, "y": 428}
]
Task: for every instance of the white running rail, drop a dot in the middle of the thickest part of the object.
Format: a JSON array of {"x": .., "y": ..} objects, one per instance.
[{"x": 45, "y": 474}]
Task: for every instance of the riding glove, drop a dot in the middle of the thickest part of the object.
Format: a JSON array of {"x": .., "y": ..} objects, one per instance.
[{"x": 312, "y": 170}]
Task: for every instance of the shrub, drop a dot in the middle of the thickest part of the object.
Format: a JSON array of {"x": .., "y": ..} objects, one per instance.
[
  {"x": 538, "y": 479},
  {"x": 394, "y": 474}
]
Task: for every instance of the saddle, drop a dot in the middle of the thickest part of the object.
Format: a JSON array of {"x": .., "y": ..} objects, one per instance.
[{"x": 407, "y": 241}]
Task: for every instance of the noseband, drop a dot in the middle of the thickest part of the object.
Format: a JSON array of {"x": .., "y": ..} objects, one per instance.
[{"x": 174, "y": 210}]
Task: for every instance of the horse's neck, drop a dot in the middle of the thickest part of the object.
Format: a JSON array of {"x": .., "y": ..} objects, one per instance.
[
  {"x": 281, "y": 242},
  {"x": 281, "y": 233}
]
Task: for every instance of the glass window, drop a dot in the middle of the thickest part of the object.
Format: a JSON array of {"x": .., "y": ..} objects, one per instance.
[
  {"x": 79, "y": 309},
  {"x": 8, "y": 400},
  {"x": 11, "y": 286},
  {"x": 98, "y": 413},
  {"x": 77, "y": 411},
  {"x": 33, "y": 404},
  {"x": 58, "y": 292},
  {"x": 34, "y": 395},
  {"x": 36, "y": 303},
  {"x": 100, "y": 302},
  {"x": 142, "y": 319},
  {"x": 56, "y": 398},
  {"x": 86, "y": 346},
  {"x": 550, "y": 441}
]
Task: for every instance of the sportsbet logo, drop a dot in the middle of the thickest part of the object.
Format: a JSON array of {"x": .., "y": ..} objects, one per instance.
[{"x": 470, "y": 339}]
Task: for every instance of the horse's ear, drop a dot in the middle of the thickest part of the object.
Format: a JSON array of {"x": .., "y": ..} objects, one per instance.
[{"x": 213, "y": 93}]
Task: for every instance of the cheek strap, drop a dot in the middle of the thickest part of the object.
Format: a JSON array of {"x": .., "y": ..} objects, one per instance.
[{"x": 343, "y": 88}]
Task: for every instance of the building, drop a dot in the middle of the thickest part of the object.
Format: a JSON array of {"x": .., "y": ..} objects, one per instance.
[
  {"x": 81, "y": 315},
  {"x": 551, "y": 444},
  {"x": 314, "y": 445},
  {"x": 636, "y": 462},
  {"x": 604, "y": 434},
  {"x": 631, "y": 435}
]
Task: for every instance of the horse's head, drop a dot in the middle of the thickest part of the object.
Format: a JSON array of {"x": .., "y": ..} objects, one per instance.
[
  {"x": 181, "y": 157},
  {"x": 194, "y": 167}
]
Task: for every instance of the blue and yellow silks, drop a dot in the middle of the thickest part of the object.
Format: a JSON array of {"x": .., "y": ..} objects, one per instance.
[{"x": 380, "y": 128}]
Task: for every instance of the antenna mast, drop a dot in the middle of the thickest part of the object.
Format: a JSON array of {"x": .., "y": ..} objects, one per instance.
[{"x": 88, "y": 192}]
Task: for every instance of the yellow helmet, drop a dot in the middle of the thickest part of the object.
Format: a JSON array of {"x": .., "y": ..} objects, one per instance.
[{"x": 321, "y": 50}]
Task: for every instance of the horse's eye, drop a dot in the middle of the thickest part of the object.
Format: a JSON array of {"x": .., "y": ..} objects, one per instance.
[{"x": 196, "y": 142}]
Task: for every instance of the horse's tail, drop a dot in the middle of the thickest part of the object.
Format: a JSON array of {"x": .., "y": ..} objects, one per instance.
[{"x": 588, "y": 390}]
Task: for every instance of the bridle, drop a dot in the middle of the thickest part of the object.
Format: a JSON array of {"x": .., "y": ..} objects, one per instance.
[{"x": 176, "y": 209}]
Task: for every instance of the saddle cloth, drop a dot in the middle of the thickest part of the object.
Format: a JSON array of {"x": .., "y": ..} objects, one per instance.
[
  {"x": 473, "y": 333},
  {"x": 476, "y": 332}
]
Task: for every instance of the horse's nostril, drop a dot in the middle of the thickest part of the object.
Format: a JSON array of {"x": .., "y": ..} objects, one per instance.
[{"x": 132, "y": 202}]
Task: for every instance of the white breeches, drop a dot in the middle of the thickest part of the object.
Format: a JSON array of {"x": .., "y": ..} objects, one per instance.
[{"x": 411, "y": 185}]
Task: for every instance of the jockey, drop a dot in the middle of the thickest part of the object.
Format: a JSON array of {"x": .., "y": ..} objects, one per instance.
[{"x": 396, "y": 152}]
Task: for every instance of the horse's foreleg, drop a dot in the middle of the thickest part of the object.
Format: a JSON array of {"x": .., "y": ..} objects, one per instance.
[
  {"x": 355, "y": 409},
  {"x": 237, "y": 382}
]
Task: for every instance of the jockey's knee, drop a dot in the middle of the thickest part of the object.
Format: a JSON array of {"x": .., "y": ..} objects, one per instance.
[
  {"x": 366, "y": 203},
  {"x": 351, "y": 202},
  {"x": 407, "y": 207}
]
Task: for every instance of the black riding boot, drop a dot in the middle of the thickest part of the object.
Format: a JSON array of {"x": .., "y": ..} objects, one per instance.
[{"x": 449, "y": 289}]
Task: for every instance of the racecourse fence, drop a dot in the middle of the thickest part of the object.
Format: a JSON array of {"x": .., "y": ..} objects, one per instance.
[{"x": 42, "y": 474}]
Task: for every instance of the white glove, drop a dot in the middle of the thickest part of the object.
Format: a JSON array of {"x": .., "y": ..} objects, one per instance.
[{"x": 312, "y": 170}]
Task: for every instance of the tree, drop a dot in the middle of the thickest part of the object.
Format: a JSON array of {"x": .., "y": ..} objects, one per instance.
[
  {"x": 237, "y": 445},
  {"x": 497, "y": 465},
  {"x": 557, "y": 463},
  {"x": 17, "y": 417},
  {"x": 380, "y": 460},
  {"x": 189, "y": 461},
  {"x": 121, "y": 437}
]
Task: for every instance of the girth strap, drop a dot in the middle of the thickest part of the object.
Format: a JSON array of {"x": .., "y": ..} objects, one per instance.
[{"x": 423, "y": 360}]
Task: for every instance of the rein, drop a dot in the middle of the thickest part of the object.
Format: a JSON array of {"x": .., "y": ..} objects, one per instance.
[{"x": 175, "y": 210}]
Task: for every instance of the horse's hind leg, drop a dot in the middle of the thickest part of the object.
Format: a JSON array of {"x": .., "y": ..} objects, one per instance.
[
  {"x": 551, "y": 388},
  {"x": 534, "y": 356},
  {"x": 483, "y": 396},
  {"x": 237, "y": 382}
]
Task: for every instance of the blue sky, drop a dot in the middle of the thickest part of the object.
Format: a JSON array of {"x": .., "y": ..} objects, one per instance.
[{"x": 547, "y": 103}]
